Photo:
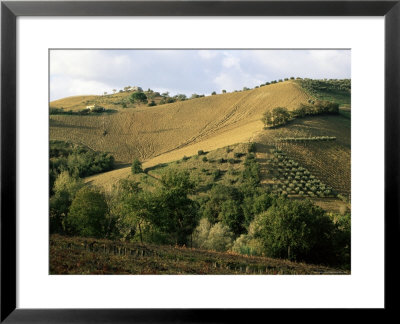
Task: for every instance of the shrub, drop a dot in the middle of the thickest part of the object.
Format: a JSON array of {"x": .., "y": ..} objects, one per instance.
[
  {"x": 252, "y": 148},
  {"x": 217, "y": 174},
  {"x": 238, "y": 155},
  {"x": 246, "y": 244},
  {"x": 204, "y": 159},
  {"x": 278, "y": 116},
  {"x": 217, "y": 237},
  {"x": 136, "y": 167}
]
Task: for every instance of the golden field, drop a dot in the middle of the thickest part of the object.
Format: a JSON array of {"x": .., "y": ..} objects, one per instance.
[{"x": 147, "y": 132}]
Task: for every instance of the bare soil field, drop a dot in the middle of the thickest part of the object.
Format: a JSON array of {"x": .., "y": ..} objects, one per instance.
[{"x": 147, "y": 132}]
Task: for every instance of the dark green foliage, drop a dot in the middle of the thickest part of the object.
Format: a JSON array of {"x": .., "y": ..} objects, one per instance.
[
  {"x": 136, "y": 167},
  {"x": 213, "y": 93},
  {"x": 95, "y": 110},
  {"x": 278, "y": 116},
  {"x": 252, "y": 148},
  {"x": 238, "y": 155},
  {"x": 254, "y": 203},
  {"x": 152, "y": 103},
  {"x": 138, "y": 97},
  {"x": 78, "y": 160},
  {"x": 87, "y": 214},
  {"x": 224, "y": 205},
  {"x": 201, "y": 152},
  {"x": 65, "y": 189},
  {"x": 204, "y": 159},
  {"x": 59, "y": 206},
  {"x": 318, "y": 108},
  {"x": 177, "y": 213},
  {"x": 296, "y": 230},
  {"x": 217, "y": 174},
  {"x": 326, "y": 85},
  {"x": 167, "y": 100},
  {"x": 342, "y": 238},
  {"x": 85, "y": 164},
  {"x": 251, "y": 173}
]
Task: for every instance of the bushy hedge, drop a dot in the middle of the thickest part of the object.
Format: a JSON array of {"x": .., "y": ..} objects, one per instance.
[
  {"x": 327, "y": 85},
  {"x": 280, "y": 116},
  {"x": 86, "y": 111}
]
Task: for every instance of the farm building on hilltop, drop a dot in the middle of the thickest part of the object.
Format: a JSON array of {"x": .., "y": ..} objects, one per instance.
[{"x": 134, "y": 89}]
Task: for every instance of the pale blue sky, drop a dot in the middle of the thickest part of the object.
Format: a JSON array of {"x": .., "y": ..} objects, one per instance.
[{"x": 78, "y": 72}]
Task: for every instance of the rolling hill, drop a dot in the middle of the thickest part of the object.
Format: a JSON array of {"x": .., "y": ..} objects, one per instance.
[
  {"x": 147, "y": 132},
  {"x": 168, "y": 132},
  {"x": 217, "y": 140}
]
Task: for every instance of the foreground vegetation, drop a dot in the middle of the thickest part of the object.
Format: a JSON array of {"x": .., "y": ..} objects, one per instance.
[
  {"x": 75, "y": 255},
  {"x": 239, "y": 215}
]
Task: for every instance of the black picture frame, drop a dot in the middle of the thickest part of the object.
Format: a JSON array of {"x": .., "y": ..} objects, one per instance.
[{"x": 10, "y": 10}]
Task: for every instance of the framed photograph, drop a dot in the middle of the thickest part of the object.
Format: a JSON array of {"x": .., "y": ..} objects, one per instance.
[{"x": 190, "y": 161}]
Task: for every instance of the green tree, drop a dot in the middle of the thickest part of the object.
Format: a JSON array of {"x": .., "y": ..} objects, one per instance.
[
  {"x": 138, "y": 97},
  {"x": 130, "y": 209},
  {"x": 224, "y": 205},
  {"x": 296, "y": 230},
  {"x": 278, "y": 116},
  {"x": 220, "y": 238},
  {"x": 223, "y": 91},
  {"x": 65, "y": 189},
  {"x": 177, "y": 213},
  {"x": 87, "y": 214},
  {"x": 136, "y": 167}
]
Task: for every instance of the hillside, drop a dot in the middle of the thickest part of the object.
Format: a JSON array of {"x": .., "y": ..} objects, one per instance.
[
  {"x": 89, "y": 256},
  {"x": 233, "y": 175},
  {"x": 147, "y": 132}
]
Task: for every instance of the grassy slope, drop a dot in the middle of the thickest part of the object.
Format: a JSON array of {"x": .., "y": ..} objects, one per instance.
[
  {"x": 201, "y": 172},
  {"x": 147, "y": 132},
  {"x": 89, "y": 256}
]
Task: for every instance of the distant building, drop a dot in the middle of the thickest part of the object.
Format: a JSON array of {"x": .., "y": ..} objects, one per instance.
[{"x": 134, "y": 89}]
